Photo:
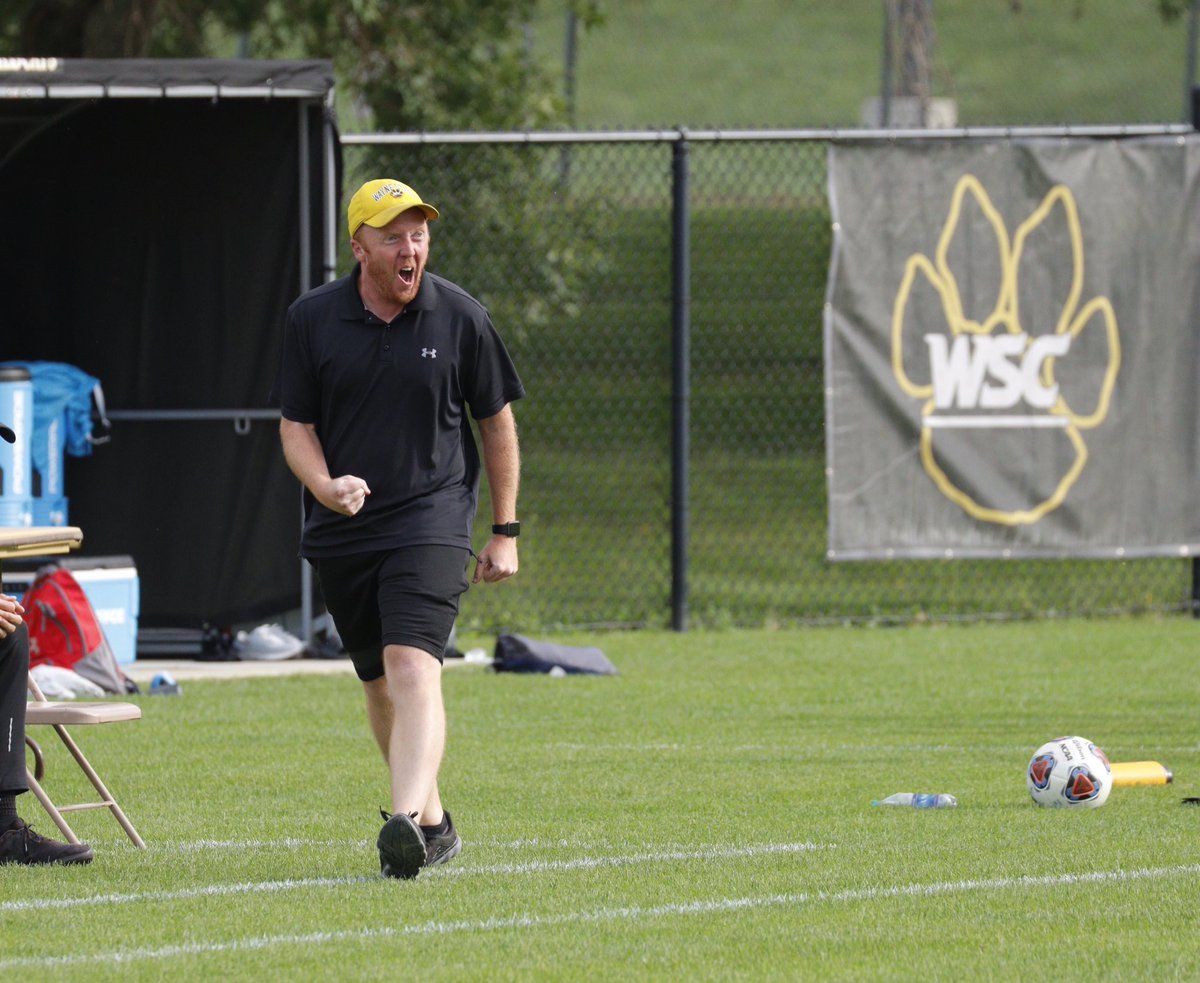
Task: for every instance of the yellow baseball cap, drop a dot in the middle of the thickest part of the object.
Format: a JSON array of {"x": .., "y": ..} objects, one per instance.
[{"x": 378, "y": 202}]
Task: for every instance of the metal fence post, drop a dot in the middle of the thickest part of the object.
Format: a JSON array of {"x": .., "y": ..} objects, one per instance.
[
  {"x": 681, "y": 296},
  {"x": 1194, "y": 92},
  {"x": 1196, "y": 587}
]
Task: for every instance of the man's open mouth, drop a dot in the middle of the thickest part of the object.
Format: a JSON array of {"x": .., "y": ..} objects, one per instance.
[{"x": 406, "y": 275}]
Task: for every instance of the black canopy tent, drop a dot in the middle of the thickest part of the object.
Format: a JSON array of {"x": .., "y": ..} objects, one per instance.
[{"x": 156, "y": 219}]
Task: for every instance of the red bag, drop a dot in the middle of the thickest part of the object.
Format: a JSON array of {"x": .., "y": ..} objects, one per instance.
[{"x": 65, "y": 632}]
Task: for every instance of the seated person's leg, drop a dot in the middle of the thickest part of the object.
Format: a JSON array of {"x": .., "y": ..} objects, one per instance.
[{"x": 18, "y": 843}]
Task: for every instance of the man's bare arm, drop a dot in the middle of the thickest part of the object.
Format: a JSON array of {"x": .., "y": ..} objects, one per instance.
[{"x": 306, "y": 457}]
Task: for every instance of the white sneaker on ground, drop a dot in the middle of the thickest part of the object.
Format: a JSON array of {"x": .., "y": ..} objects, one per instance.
[
  {"x": 267, "y": 643},
  {"x": 284, "y": 636}
]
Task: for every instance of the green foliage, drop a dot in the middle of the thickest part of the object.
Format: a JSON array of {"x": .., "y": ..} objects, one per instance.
[
  {"x": 121, "y": 28},
  {"x": 704, "y": 815},
  {"x": 420, "y": 64},
  {"x": 423, "y": 65}
]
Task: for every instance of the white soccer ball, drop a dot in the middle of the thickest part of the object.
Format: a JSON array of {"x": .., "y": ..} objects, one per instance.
[{"x": 1071, "y": 772}]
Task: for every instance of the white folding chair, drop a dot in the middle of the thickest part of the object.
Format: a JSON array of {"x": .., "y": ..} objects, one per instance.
[
  {"x": 40, "y": 711},
  {"x": 29, "y": 541}
]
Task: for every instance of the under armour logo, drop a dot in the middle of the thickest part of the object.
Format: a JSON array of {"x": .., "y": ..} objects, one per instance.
[{"x": 428, "y": 353}]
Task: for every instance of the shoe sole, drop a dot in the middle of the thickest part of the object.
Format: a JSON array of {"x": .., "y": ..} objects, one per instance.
[
  {"x": 85, "y": 856},
  {"x": 440, "y": 856},
  {"x": 401, "y": 848},
  {"x": 79, "y": 858}
]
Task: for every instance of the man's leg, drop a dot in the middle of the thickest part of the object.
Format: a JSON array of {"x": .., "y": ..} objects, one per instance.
[
  {"x": 412, "y": 748},
  {"x": 417, "y": 597},
  {"x": 18, "y": 843},
  {"x": 382, "y": 715},
  {"x": 14, "y": 669},
  {"x": 408, "y": 720}
]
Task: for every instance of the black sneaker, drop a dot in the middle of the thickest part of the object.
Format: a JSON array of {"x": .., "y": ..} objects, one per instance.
[
  {"x": 401, "y": 846},
  {"x": 19, "y": 844},
  {"x": 441, "y": 845}
]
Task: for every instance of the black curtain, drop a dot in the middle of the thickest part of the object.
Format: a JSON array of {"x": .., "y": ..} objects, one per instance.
[{"x": 155, "y": 244}]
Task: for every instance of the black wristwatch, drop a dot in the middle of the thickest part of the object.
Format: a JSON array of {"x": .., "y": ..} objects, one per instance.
[{"x": 512, "y": 529}]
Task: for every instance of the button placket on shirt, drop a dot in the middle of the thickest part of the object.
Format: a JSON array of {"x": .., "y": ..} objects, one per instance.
[{"x": 385, "y": 337}]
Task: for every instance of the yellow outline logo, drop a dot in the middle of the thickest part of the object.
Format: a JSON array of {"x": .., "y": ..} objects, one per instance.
[{"x": 992, "y": 372}]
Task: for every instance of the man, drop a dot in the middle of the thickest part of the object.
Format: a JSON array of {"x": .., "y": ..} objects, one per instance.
[
  {"x": 18, "y": 843},
  {"x": 380, "y": 370}
]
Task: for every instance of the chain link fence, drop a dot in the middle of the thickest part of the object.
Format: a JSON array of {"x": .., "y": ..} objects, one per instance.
[{"x": 568, "y": 242}]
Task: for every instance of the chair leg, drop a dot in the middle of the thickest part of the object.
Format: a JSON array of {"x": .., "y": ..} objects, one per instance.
[
  {"x": 94, "y": 778},
  {"x": 50, "y": 808},
  {"x": 39, "y": 763}
]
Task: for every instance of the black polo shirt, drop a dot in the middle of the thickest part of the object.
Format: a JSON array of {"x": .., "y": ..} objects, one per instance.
[{"x": 390, "y": 405}]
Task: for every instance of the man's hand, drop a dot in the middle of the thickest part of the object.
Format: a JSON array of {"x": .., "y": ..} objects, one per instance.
[
  {"x": 345, "y": 495},
  {"x": 304, "y": 455},
  {"x": 497, "y": 561},
  {"x": 10, "y": 615}
]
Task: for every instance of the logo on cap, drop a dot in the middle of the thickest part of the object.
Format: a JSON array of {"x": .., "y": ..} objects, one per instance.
[{"x": 395, "y": 190}]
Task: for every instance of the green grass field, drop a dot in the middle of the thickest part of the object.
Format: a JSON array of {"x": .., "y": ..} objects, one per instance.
[{"x": 704, "y": 815}]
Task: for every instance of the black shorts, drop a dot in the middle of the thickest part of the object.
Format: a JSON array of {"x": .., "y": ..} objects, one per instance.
[{"x": 405, "y": 596}]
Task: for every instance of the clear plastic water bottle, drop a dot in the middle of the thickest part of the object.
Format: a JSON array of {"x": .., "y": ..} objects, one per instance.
[{"x": 918, "y": 800}]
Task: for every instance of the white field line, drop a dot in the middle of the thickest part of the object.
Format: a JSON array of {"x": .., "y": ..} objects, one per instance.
[
  {"x": 296, "y": 843},
  {"x": 815, "y": 750},
  {"x": 284, "y": 843},
  {"x": 533, "y": 867},
  {"x": 291, "y": 843},
  {"x": 802, "y": 749},
  {"x": 632, "y": 913}
]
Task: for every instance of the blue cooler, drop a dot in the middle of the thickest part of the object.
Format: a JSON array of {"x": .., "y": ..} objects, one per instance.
[{"x": 16, "y": 471}]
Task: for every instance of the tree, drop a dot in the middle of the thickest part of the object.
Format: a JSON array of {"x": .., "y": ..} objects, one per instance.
[
  {"x": 908, "y": 44},
  {"x": 914, "y": 29},
  {"x": 120, "y": 28},
  {"x": 413, "y": 64}
]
